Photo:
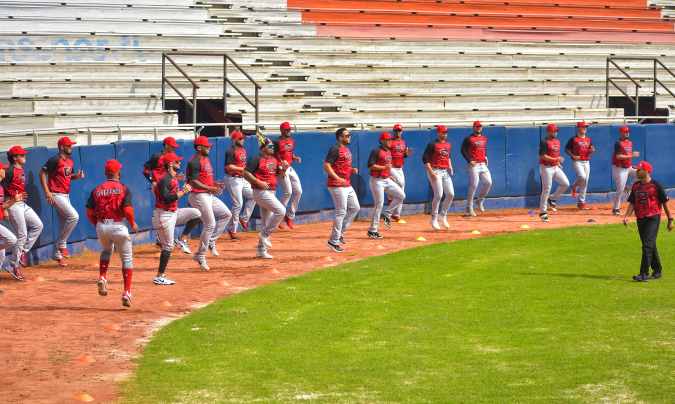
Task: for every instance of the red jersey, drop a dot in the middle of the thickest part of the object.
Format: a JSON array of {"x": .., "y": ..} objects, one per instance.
[
  {"x": 59, "y": 174},
  {"x": 580, "y": 146},
  {"x": 474, "y": 148},
  {"x": 265, "y": 168},
  {"x": 550, "y": 147},
  {"x": 340, "y": 159},
  {"x": 285, "y": 146},
  {"x": 398, "y": 152},
  {"x": 15, "y": 181},
  {"x": 108, "y": 201},
  {"x": 647, "y": 198},
  {"x": 623, "y": 147},
  {"x": 236, "y": 156},
  {"x": 380, "y": 157},
  {"x": 437, "y": 154},
  {"x": 200, "y": 169},
  {"x": 166, "y": 193}
]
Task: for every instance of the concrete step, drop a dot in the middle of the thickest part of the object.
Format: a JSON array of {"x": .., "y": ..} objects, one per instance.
[
  {"x": 111, "y": 13},
  {"x": 30, "y": 121},
  {"x": 104, "y": 26},
  {"x": 65, "y": 105}
]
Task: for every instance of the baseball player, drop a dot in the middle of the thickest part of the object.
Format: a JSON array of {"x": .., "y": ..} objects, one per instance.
[
  {"x": 580, "y": 148},
  {"x": 167, "y": 215},
  {"x": 289, "y": 181},
  {"x": 215, "y": 214},
  {"x": 399, "y": 152},
  {"x": 438, "y": 164},
  {"x": 153, "y": 169},
  {"x": 550, "y": 169},
  {"x": 474, "y": 151},
  {"x": 622, "y": 167},
  {"x": 108, "y": 205},
  {"x": 7, "y": 238},
  {"x": 647, "y": 198},
  {"x": 379, "y": 164},
  {"x": 261, "y": 171},
  {"x": 55, "y": 178},
  {"x": 27, "y": 224},
  {"x": 240, "y": 189},
  {"x": 338, "y": 167}
]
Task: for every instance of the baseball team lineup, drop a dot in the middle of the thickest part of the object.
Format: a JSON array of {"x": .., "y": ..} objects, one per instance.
[{"x": 253, "y": 180}]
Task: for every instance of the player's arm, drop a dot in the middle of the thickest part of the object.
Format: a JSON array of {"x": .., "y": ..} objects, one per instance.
[
  {"x": 193, "y": 168},
  {"x": 466, "y": 146},
  {"x": 426, "y": 159},
  {"x": 569, "y": 149},
  {"x": 91, "y": 205},
  {"x": 591, "y": 148},
  {"x": 617, "y": 152},
  {"x": 49, "y": 167},
  {"x": 230, "y": 167},
  {"x": 128, "y": 210},
  {"x": 252, "y": 167},
  {"x": 543, "y": 149},
  {"x": 372, "y": 161},
  {"x": 331, "y": 158}
]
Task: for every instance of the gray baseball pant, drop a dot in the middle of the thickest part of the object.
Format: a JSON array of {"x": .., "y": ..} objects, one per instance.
[
  {"x": 215, "y": 216},
  {"x": 379, "y": 187},
  {"x": 549, "y": 174},
  {"x": 291, "y": 190},
  {"x": 479, "y": 176},
  {"x": 115, "y": 234},
  {"x": 620, "y": 175},
  {"x": 398, "y": 177},
  {"x": 242, "y": 197},
  {"x": 346, "y": 209},
  {"x": 272, "y": 212},
  {"x": 164, "y": 222},
  {"x": 583, "y": 170},
  {"x": 27, "y": 225},
  {"x": 441, "y": 185},
  {"x": 68, "y": 217}
]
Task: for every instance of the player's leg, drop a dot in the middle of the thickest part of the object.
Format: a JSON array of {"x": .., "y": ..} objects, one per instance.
[
  {"x": 189, "y": 218},
  {"x": 563, "y": 183},
  {"x": 249, "y": 203},
  {"x": 273, "y": 213},
  {"x": 222, "y": 215},
  {"x": 296, "y": 187},
  {"x": 652, "y": 234},
  {"x": 580, "y": 181},
  {"x": 202, "y": 202},
  {"x": 122, "y": 241},
  {"x": 449, "y": 191},
  {"x": 474, "y": 174},
  {"x": 235, "y": 187},
  {"x": 7, "y": 242},
  {"x": 619, "y": 176},
  {"x": 436, "y": 183},
  {"x": 377, "y": 190},
  {"x": 398, "y": 177},
  {"x": 353, "y": 208},
  {"x": 17, "y": 219},
  {"x": 485, "y": 186},
  {"x": 284, "y": 184},
  {"x": 103, "y": 235},
  {"x": 34, "y": 225},
  {"x": 397, "y": 195},
  {"x": 68, "y": 217},
  {"x": 166, "y": 222},
  {"x": 339, "y": 196},
  {"x": 648, "y": 229},
  {"x": 546, "y": 175},
  {"x": 586, "y": 166}
]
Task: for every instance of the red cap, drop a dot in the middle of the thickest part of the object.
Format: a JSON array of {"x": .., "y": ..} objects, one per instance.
[
  {"x": 202, "y": 141},
  {"x": 385, "y": 136},
  {"x": 551, "y": 127},
  {"x": 582, "y": 124},
  {"x": 398, "y": 126},
  {"x": 236, "y": 135},
  {"x": 285, "y": 126},
  {"x": 112, "y": 166},
  {"x": 65, "y": 141},
  {"x": 477, "y": 124},
  {"x": 171, "y": 158},
  {"x": 441, "y": 129},
  {"x": 624, "y": 129},
  {"x": 16, "y": 151},
  {"x": 643, "y": 165},
  {"x": 171, "y": 142}
]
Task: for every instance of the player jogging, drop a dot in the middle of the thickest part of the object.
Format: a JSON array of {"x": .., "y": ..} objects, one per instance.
[
  {"x": 438, "y": 165},
  {"x": 261, "y": 171},
  {"x": 550, "y": 169},
  {"x": 55, "y": 178},
  {"x": 647, "y": 198},
  {"x": 215, "y": 215},
  {"x": 240, "y": 190},
  {"x": 167, "y": 215},
  {"x": 379, "y": 163},
  {"x": 108, "y": 205},
  {"x": 622, "y": 168},
  {"x": 474, "y": 151},
  {"x": 580, "y": 148},
  {"x": 338, "y": 167},
  {"x": 7, "y": 238},
  {"x": 399, "y": 152},
  {"x": 289, "y": 182}
]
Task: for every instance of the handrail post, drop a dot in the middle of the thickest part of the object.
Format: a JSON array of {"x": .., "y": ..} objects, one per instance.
[
  {"x": 637, "y": 103},
  {"x": 194, "y": 108},
  {"x": 655, "y": 78},
  {"x": 119, "y": 133},
  {"x": 607, "y": 84},
  {"x": 163, "y": 83},
  {"x": 257, "y": 108},
  {"x": 90, "y": 136},
  {"x": 155, "y": 135},
  {"x": 35, "y": 138}
]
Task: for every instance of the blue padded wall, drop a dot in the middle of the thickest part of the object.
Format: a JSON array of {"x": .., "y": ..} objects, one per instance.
[
  {"x": 312, "y": 148},
  {"x": 660, "y": 149},
  {"x": 522, "y": 161}
]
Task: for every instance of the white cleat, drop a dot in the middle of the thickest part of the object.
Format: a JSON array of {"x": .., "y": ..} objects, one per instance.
[
  {"x": 213, "y": 250},
  {"x": 434, "y": 224},
  {"x": 266, "y": 242},
  {"x": 202, "y": 262},
  {"x": 163, "y": 280},
  {"x": 102, "y": 287},
  {"x": 481, "y": 204},
  {"x": 184, "y": 247},
  {"x": 470, "y": 213},
  {"x": 126, "y": 299},
  {"x": 445, "y": 223},
  {"x": 263, "y": 255}
]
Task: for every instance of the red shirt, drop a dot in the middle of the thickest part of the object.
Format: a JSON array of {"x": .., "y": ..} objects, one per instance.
[
  {"x": 623, "y": 147},
  {"x": 474, "y": 148},
  {"x": 265, "y": 168},
  {"x": 108, "y": 200},
  {"x": 580, "y": 146},
  {"x": 15, "y": 181},
  {"x": 550, "y": 147},
  {"x": 200, "y": 169},
  {"x": 340, "y": 159},
  {"x": 380, "y": 157},
  {"x": 398, "y": 155},
  {"x": 59, "y": 173},
  {"x": 166, "y": 193},
  {"x": 647, "y": 199},
  {"x": 236, "y": 156},
  {"x": 437, "y": 154},
  {"x": 285, "y": 146}
]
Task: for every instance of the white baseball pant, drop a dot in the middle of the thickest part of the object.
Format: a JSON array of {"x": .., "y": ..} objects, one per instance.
[
  {"x": 68, "y": 217},
  {"x": 379, "y": 187},
  {"x": 164, "y": 222},
  {"x": 479, "y": 176},
  {"x": 7, "y": 242},
  {"x": 242, "y": 197},
  {"x": 346, "y": 209},
  {"x": 398, "y": 177},
  {"x": 215, "y": 216},
  {"x": 549, "y": 174},
  {"x": 441, "y": 185},
  {"x": 272, "y": 212},
  {"x": 620, "y": 175},
  {"x": 583, "y": 170},
  {"x": 115, "y": 234},
  {"x": 291, "y": 190},
  {"x": 27, "y": 226}
]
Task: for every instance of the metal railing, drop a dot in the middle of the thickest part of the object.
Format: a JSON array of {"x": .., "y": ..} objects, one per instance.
[
  {"x": 656, "y": 63},
  {"x": 226, "y": 81}
]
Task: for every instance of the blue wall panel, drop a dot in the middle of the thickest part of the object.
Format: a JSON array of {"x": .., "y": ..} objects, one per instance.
[
  {"x": 132, "y": 155},
  {"x": 496, "y": 159},
  {"x": 312, "y": 148},
  {"x": 601, "y": 162},
  {"x": 35, "y": 159},
  {"x": 522, "y": 161},
  {"x": 417, "y": 187},
  {"x": 93, "y": 158},
  {"x": 660, "y": 149}
]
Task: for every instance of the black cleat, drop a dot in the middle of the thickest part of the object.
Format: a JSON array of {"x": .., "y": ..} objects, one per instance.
[
  {"x": 335, "y": 247},
  {"x": 387, "y": 221},
  {"x": 374, "y": 235},
  {"x": 616, "y": 212},
  {"x": 640, "y": 278},
  {"x": 544, "y": 217},
  {"x": 553, "y": 205},
  {"x": 656, "y": 275}
]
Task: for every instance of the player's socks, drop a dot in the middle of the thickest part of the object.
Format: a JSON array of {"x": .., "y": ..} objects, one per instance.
[
  {"x": 103, "y": 268},
  {"x": 126, "y": 274},
  {"x": 164, "y": 257},
  {"x": 189, "y": 226}
]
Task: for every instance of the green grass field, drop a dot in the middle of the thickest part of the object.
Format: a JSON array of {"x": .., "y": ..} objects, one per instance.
[{"x": 546, "y": 316}]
